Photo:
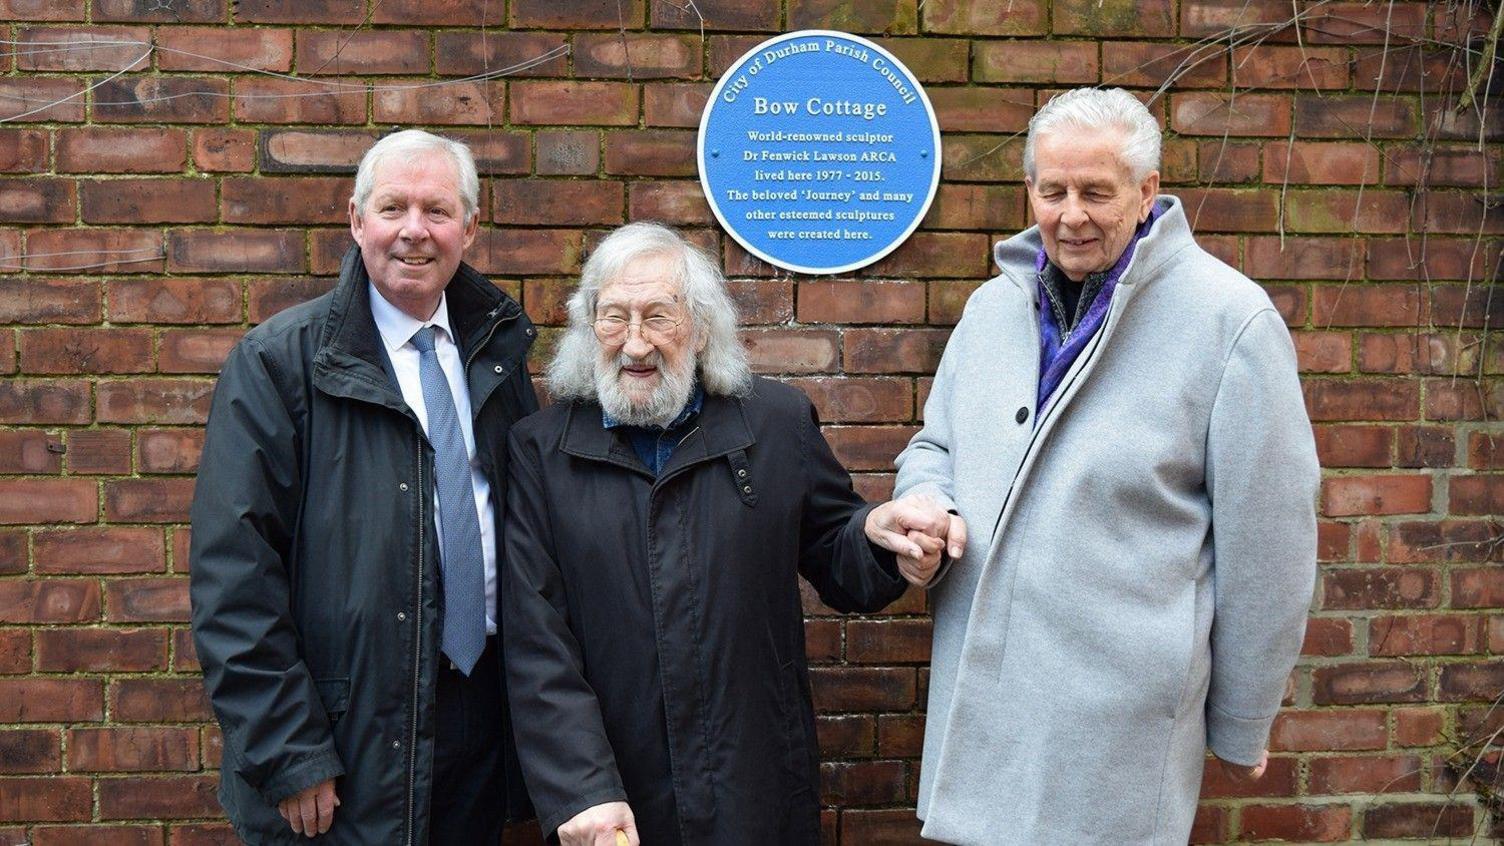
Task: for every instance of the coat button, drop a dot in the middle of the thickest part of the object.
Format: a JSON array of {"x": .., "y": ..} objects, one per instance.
[
  {"x": 746, "y": 489},
  {"x": 1022, "y": 415},
  {"x": 531, "y": 331},
  {"x": 401, "y": 616},
  {"x": 497, "y": 368},
  {"x": 396, "y": 744},
  {"x": 402, "y": 486},
  {"x": 741, "y": 474}
]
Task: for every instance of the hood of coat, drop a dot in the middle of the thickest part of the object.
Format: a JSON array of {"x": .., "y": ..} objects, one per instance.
[{"x": 1017, "y": 256}]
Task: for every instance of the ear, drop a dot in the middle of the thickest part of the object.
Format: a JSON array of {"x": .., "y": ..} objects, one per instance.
[
  {"x": 472, "y": 227},
  {"x": 356, "y": 225},
  {"x": 1147, "y": 192}
]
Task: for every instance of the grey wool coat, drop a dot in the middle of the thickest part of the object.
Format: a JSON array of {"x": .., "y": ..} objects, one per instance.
[{"x": 1141, "y": 556}]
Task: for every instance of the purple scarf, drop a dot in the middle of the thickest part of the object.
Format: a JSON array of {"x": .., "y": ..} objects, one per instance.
[{"x": 1056, "y": 358}]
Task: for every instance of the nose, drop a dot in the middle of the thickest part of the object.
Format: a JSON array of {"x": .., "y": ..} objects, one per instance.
[
  {"x": 414, "y": 227},
  {"x": 635, "y": 345},
  {"x": 1074, "y": 212}
]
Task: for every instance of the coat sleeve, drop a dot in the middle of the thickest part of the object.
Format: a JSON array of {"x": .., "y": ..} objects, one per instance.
[
  {"x": 566, "y": 758},
  {"x": 924, "y": 466},
  {"x": 847, "y": 570},
  {"x": 1262, "y": 478},
  {"x": 245, "y": 505}
]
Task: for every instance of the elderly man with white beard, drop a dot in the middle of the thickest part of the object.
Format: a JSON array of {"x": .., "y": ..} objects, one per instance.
[{"x": 659, "y": 515}]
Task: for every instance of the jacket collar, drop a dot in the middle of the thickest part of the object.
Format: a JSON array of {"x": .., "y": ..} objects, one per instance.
[
  {"x": 721, "y": 429},
  {"x": 1017, "y": 256},
  {"x": 349, "y": 359}
]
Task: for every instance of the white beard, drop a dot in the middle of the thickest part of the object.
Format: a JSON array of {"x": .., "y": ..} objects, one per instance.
[{"x": 660, "y": 407}]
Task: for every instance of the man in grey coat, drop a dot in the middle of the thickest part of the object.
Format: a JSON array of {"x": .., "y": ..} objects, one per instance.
[{"x": 1118, "y": 422}]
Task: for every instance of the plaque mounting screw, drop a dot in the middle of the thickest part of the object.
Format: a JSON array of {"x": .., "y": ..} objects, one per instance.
[
  {"x": 715, "y": 154},
  {"x": 924, "y": 154}
]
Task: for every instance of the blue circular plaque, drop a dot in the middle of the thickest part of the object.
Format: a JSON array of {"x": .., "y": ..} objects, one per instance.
[{"x": 819, "y": 152}]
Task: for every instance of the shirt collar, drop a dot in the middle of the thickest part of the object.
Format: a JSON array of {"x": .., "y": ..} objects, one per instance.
[
  {"x": 398, "y": 327},
  {"x": 691, "y": 408}
]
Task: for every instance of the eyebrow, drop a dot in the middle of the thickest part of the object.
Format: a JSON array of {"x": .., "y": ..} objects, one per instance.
[{"x": 646, "y": 306}]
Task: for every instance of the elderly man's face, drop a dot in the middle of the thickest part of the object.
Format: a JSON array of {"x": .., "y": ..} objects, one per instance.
[
  {"x": 1086, "y": 201},
  {"x": 412, "y": 231},
  {"x": 647, "y": 359}
]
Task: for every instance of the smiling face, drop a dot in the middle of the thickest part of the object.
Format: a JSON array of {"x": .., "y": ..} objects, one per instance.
[
  {"x": 1086, "y": 200},
  {"x": 413, "y": 231},
  {"x": 646, "y": 376}
]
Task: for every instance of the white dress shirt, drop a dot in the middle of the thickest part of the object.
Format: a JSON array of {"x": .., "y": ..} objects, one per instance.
[{"x": 397, "y": 330}]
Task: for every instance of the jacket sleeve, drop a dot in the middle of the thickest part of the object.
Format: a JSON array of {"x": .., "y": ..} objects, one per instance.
[
  {"x": 924, "y": 466},
  {"x": 566, "y": 758},
  {"x": 1262, "y": 478},
  {"x": 245, "y": 505},
  {"x": 847, "y": 570}
]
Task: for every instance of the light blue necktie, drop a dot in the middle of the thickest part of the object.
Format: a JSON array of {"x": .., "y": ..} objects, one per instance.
[{"x": 464, "y": 636}]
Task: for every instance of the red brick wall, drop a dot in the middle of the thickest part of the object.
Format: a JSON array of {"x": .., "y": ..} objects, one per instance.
[{"x": 148, "y": 217}]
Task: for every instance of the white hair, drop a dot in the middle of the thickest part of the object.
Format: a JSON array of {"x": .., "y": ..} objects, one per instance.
[
  {"x": 722, "y": 361},
  {"x": 409, "y": 145},
  {"x": 1093, "y": 110}
]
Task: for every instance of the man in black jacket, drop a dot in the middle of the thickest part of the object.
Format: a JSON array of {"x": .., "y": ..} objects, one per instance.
[
  {"x": 658, "y": 518},
  {"x": 346, "y": 532}
]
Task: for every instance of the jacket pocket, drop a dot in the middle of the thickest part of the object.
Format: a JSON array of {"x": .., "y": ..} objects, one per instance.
[{"x": 335, "y": 696}]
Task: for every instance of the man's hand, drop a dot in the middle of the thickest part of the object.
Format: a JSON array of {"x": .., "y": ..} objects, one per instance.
[
  {"x": 1242, "y": 774},
  {"x": 598, "y": 825},
  {"x": 310, "y": 811},
  {"x": 916, "y": 530}
]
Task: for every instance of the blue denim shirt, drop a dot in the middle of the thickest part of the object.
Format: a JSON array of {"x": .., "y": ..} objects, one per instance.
[{"x": 655, "y": 444}]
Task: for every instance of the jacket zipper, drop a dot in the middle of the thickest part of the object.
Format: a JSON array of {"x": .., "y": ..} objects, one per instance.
[{"x": 412, "y": 741}]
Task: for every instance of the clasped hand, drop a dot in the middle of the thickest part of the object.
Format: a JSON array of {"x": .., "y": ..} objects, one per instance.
[{"x": 918, "y": 532}]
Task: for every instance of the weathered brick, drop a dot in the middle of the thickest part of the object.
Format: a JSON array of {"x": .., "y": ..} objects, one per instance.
[
  {"x": 1319, "y": 823},
  {"x": 1418, "y": 819},
  {"x": 860, "y": 399},
  {"x": 266, "y": 297},
  {"x": 792, "y": 350},
  {"x": 48, "y": 501},
  {"x": 559, "y": 102},
  {"x": 1418, "y": 726},
  {"x": 148, "y": 500},
  {"x": 1366, "y": 774},
  {"x": 43, "y": 401},
  {"x": 1349, "y": 116},
  {"x": 962, "y": 17},
  {"x": 299, "y": 11},
  {"x": 29, "y": 451},
  {"x": 715, "y": 14},
  {"x": 1363, "y": 23},
  {"x": 636, "y": 56},
  {"x": 1368, "y": 684},
  {"x": 1279, "y": 779},
  {"x": 1321, "y": 162},
  {"x": 155, "y": 700},
  {"x": 355, "y": 51},
  {"x": 71, "y": 650},
  {"x": 863, "y": 783},
  {"x": 195, "y": 350},
  {"x": 164, "y": 99},
  {"x": 99, "y": 149},
  {"x": 679, "y": 202},
  {"x": 888, "y": 641},
  {"x": 1218, "y": 114},
  {"x": 311, "y": 101},
  {"x": 42, "y": 99},
  {"x": 172, "y": 797},
  {"x": 1303, "y": 258},
  {"x": 516, "y": 252},
  {"x": 39, "y": 700},
  {"x": 177, "y": 12},
  {"x": 86, "y": 351},
  {"x": 304, "y": 199},
  {"x": 49, "y": 300},
  {"x": 462, "y": 103},
  {"x": 38, "y": 199},
  {"x": 955, "y": 255},
  {"x": 220, "y": 50},
  {"x": 173, "y": 300},
  {"x": 1328, "y": 637},
  {"x": 99, "y": 451},
  {"x": 1153, "y": 64},
  {"x": 1369, "y": 589},
  {"x": 982, "y": 109},
  {"x": 1051, "y": 62},
  {"x": 893, "y": 350},
  {"x": 43, "y": 10},
  {"x": 1446, "y": 540},
  {"x": 166, "y": 401},
  {"x": 224, "y": 150},
  {"x": 1424, "y": 446},
  {"x": 470, "y": 53},
  {"x": 132, "y": 749},
  {"x": 23, "y": 150},
  {"x": 555, "y": 202},
  {"x": 47, "y": 799},
  {"x": 237, "y": 251},
  {"x": 862, "y": 688},
  {"x": 1354, "y": 445},
  {"x": 49, "y": 601},
  {"x": 29, "y": 751},
  {"x": 887, "y": 17},
  {"x": 1284, "y": 66},
  {"x": 650, "y": 152},
  {"x": 102, "y": 549},
  {"x": 148, "y": 201},
  {"x": 577, "y": 14},
  {"x": 114, "y": 250},
  {"x": 95, "y": 48}
]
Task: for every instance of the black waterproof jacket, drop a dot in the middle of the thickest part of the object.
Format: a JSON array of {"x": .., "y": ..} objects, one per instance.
[
  {"x": 314, "y": 563},
  {"x": 654, "y": 636}
]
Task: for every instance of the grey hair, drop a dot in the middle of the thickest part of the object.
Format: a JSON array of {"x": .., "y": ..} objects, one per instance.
[
  {"x": 1092, "y": 110},
  {"x": 722, "y": 362},
  {"x": 407, "y": 146}
]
